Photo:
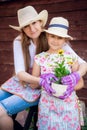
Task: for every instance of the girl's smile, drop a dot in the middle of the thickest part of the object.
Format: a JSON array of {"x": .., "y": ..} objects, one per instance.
[{"x": 55, "y": 42}]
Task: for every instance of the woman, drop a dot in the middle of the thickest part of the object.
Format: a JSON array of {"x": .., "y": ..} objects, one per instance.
[
  {"x": 31, "y": 41},
  {"x": 25, "y": 46}
]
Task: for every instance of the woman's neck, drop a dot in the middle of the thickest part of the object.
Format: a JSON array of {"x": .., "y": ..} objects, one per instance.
[{"x": 35, "y": 41}]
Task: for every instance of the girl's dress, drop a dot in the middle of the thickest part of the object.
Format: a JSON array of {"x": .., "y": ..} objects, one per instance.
[{"x": 54, "y": 113}]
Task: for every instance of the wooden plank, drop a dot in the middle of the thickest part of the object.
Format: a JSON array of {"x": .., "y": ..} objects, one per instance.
[
  {"x": 51, "y": 6},
  {"x": 10, "y": 34},
  {"x": 73, "y": 18},
  {"x": 74, "y": 10},
  {"x": 6, "y": 72},
  {"x": 7, "y": 21},
  {"x": 6, "y": 57},
  {"x": 6, "y": 45}
]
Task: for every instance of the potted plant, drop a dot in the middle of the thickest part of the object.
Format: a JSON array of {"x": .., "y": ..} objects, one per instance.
[{"x": 61, "y": 70}]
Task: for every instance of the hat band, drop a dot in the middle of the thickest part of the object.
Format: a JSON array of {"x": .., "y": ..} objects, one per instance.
[{"x": 58, "y": 25}]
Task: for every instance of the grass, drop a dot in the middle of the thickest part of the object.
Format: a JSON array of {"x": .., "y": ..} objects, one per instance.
[{"x": 85, "y": 124}]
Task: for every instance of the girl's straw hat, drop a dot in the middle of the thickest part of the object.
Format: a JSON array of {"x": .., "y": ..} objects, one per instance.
[
  {"x": 59, "y": 26},
  {"x": 28, "y": 15}
]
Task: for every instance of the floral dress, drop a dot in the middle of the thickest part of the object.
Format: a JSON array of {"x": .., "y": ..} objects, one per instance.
[{"x": 54, "y": 113}]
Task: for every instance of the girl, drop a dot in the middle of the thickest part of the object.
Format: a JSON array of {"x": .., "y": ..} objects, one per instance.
[{"x": 57, "y": 113}]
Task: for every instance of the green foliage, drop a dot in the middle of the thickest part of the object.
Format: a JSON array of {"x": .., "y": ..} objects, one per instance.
[{"x": 60, "y": 71}]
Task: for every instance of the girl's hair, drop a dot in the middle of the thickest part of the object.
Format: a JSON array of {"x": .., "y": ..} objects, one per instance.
[{"x": 42, "y": 45}]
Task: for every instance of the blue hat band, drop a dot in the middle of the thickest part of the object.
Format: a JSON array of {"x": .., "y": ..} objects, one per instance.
[{"x": 58, "y": 25}]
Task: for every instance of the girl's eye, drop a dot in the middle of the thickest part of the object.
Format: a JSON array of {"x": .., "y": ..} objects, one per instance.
[
  {"x": 60, "y": 37},
  {"x": 52, "y": 36}
]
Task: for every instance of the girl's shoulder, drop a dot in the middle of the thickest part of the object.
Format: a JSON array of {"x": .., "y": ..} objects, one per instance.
[
  {"x": 40, "y": 58},
  {"x": 42, "y": 55}
]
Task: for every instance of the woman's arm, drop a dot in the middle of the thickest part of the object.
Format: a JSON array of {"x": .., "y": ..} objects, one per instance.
[
  {"x": 82, "y": 64},
  {"x": 26, "y": 77},
  {"x": 33, "y": 79},
  {"x": 19, "y": 63},
  {"x": 36, "y": 72},
  {"x": 82, "y": 69},
  {"x": 80, "y": 84},
  {"x": 18, "y": 55}
]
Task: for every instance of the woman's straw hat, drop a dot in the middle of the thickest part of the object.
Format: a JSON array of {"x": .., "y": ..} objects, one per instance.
[
  {"x": 59, "y": 26},
  {"x": 28, "y": 15}
]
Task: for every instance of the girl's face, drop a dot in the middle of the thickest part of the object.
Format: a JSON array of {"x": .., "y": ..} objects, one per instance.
[
  {"x": 33, "y": 30},
  {"x": 55, "y": 42}
]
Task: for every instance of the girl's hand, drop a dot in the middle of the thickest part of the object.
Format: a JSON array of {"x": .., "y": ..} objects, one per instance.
[
  {"x": 71, "y": 79},
  {"x": 67, "y": 93},
  {"x": 46, "y": 81}
]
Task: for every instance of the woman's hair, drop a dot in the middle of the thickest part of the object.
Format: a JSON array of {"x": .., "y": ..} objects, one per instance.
[{"x": 42, "y": 45}]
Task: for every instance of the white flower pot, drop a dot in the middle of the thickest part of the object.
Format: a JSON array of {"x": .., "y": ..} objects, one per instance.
[{"x": 59, "y": 88}]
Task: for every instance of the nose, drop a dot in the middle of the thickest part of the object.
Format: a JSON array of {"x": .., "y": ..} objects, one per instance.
[
  {"x": 32, "y": 28},
  {"x": 56, "y": 39}
]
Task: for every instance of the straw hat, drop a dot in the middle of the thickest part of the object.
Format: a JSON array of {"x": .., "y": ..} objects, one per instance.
[
  {"x": 59, "y": 26},
  {"x": 28, "y": 15}
]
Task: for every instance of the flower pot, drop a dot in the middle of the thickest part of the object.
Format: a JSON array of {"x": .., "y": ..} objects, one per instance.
[{"x": 59, "y": 89}]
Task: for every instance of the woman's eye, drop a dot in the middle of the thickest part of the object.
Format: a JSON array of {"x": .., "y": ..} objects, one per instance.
[
  {"x": 26, "y": 26},
  {"x": 34, "y": 23}
]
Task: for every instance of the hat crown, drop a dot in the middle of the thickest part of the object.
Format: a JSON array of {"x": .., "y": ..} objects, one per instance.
[
  {"x": 59, "y": 26},
  {"x": 28, "y": 15},
  {"x": 60, "y": 21},
  {"x": 25, "y": 14}
]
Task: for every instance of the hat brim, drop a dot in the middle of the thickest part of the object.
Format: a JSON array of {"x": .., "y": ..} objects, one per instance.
[
  {"x": 43, "y": 16},
  {"x": 58, "y": 34}
]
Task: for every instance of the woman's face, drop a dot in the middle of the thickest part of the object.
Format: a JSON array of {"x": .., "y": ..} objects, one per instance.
[
  {"x": 33, "y": 30},
  {"x": 55, "y": 42}
]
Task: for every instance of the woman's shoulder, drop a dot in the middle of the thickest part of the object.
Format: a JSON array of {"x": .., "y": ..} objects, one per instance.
[
  {"x": 18, "y": 38},
  {"x": 17, "y": 41}
]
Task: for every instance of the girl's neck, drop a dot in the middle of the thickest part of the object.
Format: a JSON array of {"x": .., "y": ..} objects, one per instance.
[{"x": 53, "y": 51}]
